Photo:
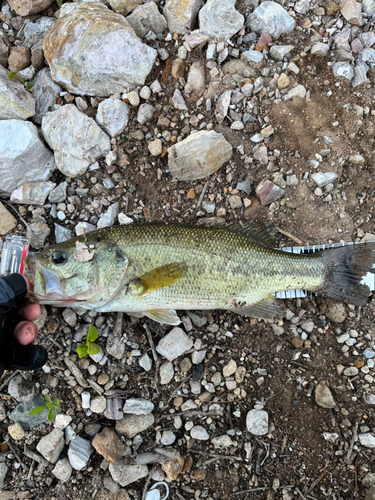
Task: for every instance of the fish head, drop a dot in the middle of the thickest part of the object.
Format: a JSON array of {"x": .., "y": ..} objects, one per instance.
[{"x": 86, "y": 269}]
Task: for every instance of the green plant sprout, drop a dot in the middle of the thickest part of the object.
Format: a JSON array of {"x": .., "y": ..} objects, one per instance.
[
  {"x": 59, "y": 2},
  {"x": 89, "y": 347},
  {"x": 18, "y": 78},
  {"x": 52, "y": 406}
]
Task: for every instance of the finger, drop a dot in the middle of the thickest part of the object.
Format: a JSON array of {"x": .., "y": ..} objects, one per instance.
[
  {"x": 26, "y": 332},
  {"x": 30, "y": 312},
  {"x": 30, "y": 286}
]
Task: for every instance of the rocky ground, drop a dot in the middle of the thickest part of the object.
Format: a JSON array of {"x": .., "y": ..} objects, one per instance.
[{"x": 127, "y": 112}]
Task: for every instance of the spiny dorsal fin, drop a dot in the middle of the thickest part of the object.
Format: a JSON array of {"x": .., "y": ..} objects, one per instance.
[
  {"x": 160, "y": 277},
  {"x": 167, "y": 316},
  {"x": 256, "y": 230},
  {"x": 267, "y": 308}
]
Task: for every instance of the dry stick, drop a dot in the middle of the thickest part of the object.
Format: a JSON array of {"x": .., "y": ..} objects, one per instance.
[
  {"x": 285, "y": 233},
  {"x": 148, "y": 482},
  {"x": 200, "y": 199},
  {"x": 20, "y": 216},
  {"x": 301, "y": 365},
  {"x": 35, "y": 457},
  {"x": 251, "y": 491},
  {"x": 154, "y": 354},
  {"x": 176, "y": 390},
  {"x": 194, "y": 413},
  {"x": 214, "y": 455},
  {"x": 317, "y": 481},
  {"x": 300, "y": 494},
  {"x": 8, "y": 380},
  {"x": 31, "y": 470},
  {"x": 16, "y": 454},
  {"x": 351, "y": 445}
]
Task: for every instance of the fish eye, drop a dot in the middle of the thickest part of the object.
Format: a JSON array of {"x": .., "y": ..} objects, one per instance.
[{"x": 58, "y": 257}]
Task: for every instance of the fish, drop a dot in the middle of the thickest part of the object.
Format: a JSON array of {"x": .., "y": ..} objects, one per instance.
[{"x": 156, "y": 269}]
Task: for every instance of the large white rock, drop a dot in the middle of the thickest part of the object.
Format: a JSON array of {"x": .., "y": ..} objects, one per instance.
[
  {"x": 219, "y": 18},
  {"x": 113, "y": 116},
  {"x": 181, "y": 14},
  {"x": 198, "y": 156},
  {"x": 15, "y": 101},
  {"x": 272, "y": 19},
  {"x": 23, "y": 156},
  {"x": 75, "y": 138},
  {"x": 46, "y": 93},
  {"x": 94, "y": 51}
]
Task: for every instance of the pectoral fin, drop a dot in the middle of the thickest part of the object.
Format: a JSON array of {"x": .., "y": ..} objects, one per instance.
[
  {"x": 167, "y": 316},
  {"x": 160, "y": 277},
  {"x": 267, "y": 308}
]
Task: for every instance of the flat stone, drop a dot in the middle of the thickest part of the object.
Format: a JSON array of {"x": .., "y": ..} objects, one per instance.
[
  {"x": 181, "y": 14},
  {"x": 7, "y": 221},
  {"x": 178, "y": 101},
  {"x": 175, "y": 343},
  {"x": 21, "y": 414},
  {"x": 196, "y": 78},
  {"x": 323, "y": 395},
  {"x": 112, "y": 116},
  {"x": 257, "y": 422},
  {"x": 298, "y": 91},
  {"x": 58, "y": 194},
  {"x": 131, "y": 425},
  {"x": 322, "y": 179},
  {"x": 63, "y": 470},
  {"x": 51, "y": 445},
  {"x": 109, "y": 445},
  {"x": 34, "y": 193},
  {"x": 138, "y": 406},
  {"x": 367, "y": 440},
  {"x": 80, "y": 60},
  {"x": 127, "y": 474},
  {"x": 199, "y": 432},
  {"x": 343, "y": 70},
  {"x": 224, "y": 441},
  {"x": 61, "y": 128},
  {"x": 198, "y": 156},
  {"x": 23, "y": 156},
  {"x": 28, "y": 7},
  {"x": 352, "y": 11},
  {"x": 147, "y": 18},
  {"x": 21, "y": 389},
  {"x": 368, "y": 7},
  {"x": 61, "y": 421},
  {"x": 15, "y": 101},
  {"x": 268, "y": 192},
  {"x": 271, "y": 18},
  {"x": 278, "y": 52},
  {"x": 220, "y": 19},
  {"x": 79, "y": 453},
  {"x": 222, "y": 105},
  {"x": 166, "y": 372},
  {"x": 319, "y": 49}
]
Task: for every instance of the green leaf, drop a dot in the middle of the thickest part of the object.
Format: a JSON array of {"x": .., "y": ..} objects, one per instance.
[
  {"x": 51, "y": 416},
  {"x": 93, "y": 333},
  {"x": 11, "y": 76},
  {"x": 37, "y": 410},
  {"x": 47, "y": 397},
  {"x": 30, "y": 85},
  {"x": 20, "y": 78},
  {"x": 56, "y": 402},
  {"x": 82, "y": 351},
  {"x": 59, "y": 2},
  {"x": 93, "y": 349}
]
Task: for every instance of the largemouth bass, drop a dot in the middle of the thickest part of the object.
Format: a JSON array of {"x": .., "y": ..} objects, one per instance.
[{"x": 156, "y": 269}]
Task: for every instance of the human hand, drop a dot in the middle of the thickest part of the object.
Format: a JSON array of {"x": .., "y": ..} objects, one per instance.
[{"x": 17, "y": 331}]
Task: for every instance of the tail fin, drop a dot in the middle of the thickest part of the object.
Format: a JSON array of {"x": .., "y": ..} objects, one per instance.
[{"x": 345, "y": 267}]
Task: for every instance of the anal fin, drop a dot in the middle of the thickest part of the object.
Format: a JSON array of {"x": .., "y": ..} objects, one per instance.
[
  {"x": 160, "y": 277},
  {"x": 167, "y": 316},
  {"x": 267, "y": 308}
]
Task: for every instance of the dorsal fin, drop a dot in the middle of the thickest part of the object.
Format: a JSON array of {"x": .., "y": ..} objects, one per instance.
[{"x": 256, "y": 230}]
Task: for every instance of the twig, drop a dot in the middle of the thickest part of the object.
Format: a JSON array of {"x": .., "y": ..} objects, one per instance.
[
  {"x": 348, "y": 458},
  {"x": 200, "y": 199},
  {"x": 300, "y": 494},
  {"x": 16, "y": 454},
  {"x": 251, "y": 491},
  {"x": 176, "y": 390},
  {"x": 194, "y": 413},
  {"x": 8, "y": 380},
  {"x": 31, "y": 470},
  {"x": 148, "y": 482},
  {"x": 20, "y": 216},
  {"x": 154, "y": 355},
  {"x": 317, "y": 480},
  {"x": 294, "y": 238},
  {"x": 214, "y": 455},
  {"x": 35, "y": 457},
  {"x": 301, "y": 366}
]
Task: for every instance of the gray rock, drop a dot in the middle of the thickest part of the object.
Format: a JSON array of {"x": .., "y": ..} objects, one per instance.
[
  {"x": 3, "y": 473},
  {"x": 322, "y": 179},
  {"x": 369, "y": 353},
  {"x": 278, "y": 52},
  {"x": 166, "y": 372},
  {"x": 351, "y": 371},
  {"x": 368, "y": 480},
  {"x": 360, "y": 74},
  {"x": 46, "y": 93},
  {"x": 319, "y": 49},
  {"x": 181, "y": 15},
  {"x": 342, "y": 39},
  {"x": 61, "y": 129},
  {"x": 343, "y": 70},
  {"x": 23, "y": 156},
  {"x": 369, "y": 398},
  {"x": 62, "y": 234},
  {"x": 62, "y": 470},
  {"x": 79, "y": 453},
  {"x": 127, "y": 474},
  {"x": 196, "y": 78},
  {"x": 198, "y": 156},
  {"x": 145, "y": 113},
  {"x": 252, "y": 56},
  {"x": 34, "y": 31},
  {"x": 62, "y": 421},
  {"x": 222, "y": 441},
  {"x": 145, "y": 18},
  {"x": 21, "y": 414},
  {"x": 219, "y": 18},
  {"x": 175, "y": 343},
  {"x": 222, "y": 105},
  {"x": 98, "y": 404},
  {"x": 336, "y": 312},
  {"x": 145, "y": 362},
  {"x": 115, "y": 346},
  {"x": 352, "y": 11},
  {"x": 367, "y": 55},
  {"x": 244, "y": 186},
  {"x": 367, "y": 440},
  {"x": 51, "y": 445},
  {"x": 83, "y": 228},
  {"x": 21, "y": 389},
  {"x": 109, "y": 218},
  {"x": 37, "y": 233},
  {"x": 323, "y": 395},
  {"x": 82, "y": 61},
  {"x": 15, "y": 101},
  {"x": 178, "y": 101},
  {"x": 368, "y": 7},
  {"x": 272, "y": 19},
  {"x": 198, "y": 318},
  {"x": 113, "y": 116},
  {"x": 138, "y": 406},
  {"x": 257, "y": 422},
  {"x": 131, "y": 425},
  {"x": 199, "y": 432},
  {"x": 59, "y": 193},
  {"x": 34, "y": 193},
  {"x": 297, "y": 91}
]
